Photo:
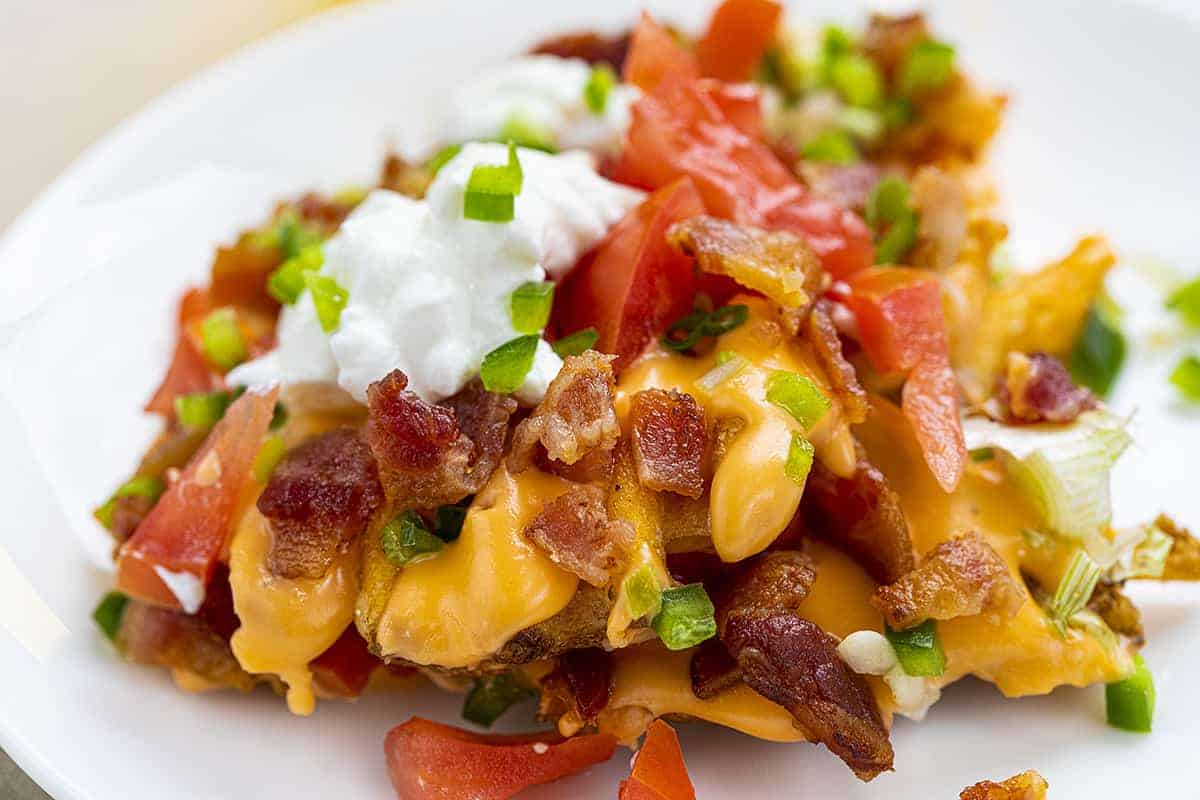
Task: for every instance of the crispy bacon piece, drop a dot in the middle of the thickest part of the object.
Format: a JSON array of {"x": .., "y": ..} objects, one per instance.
[
  {"x": 669, "y": 441},
  {"x": 781, "y": 265},
  {"x": 404, "y": 177},
  {"x": 239, "y": 276},
  {"x": 575, "y": 531},
  {"x": 792, "y": 662},
  {"x": 592, "y": 47},
  {"x": 433, "y": 455},
  {"x": 323, "y": 212},
  {"x": 823, "y": 336},
  {"x": 847, "y": 185},
  {"x": 1038, "y": 388},
  {"x": 595, "y": 467},
  {"x": 713, "y": 670},
  {"x": 889, "y": 38},
  {"x": 319, "y": 498},
  {"x": 1118, "y": 612},
  {"x": 1029, "y": 785},
  {"x": 575, "y": 417},
  {"x": 1183, "y": 562},
  {"x": 585, "y": 681},
  {"x": 861, "y": 515},
  {"x": 959, "y": 578}
]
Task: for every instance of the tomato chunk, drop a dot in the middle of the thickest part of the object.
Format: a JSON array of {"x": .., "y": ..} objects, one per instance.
[
  {"x": 186, "y": 530},
  {"x": 901, "y": 328},
  {"x": 737, "y": 37},
  {"x": 188, "y": 372},
  {"x": 345, "y": 668},
  {"x": 654, "y": 54},
  {"x": 658, "y": 770},
  {"x": 430, "y": 761},
  {"x": 633, "y": 284}
]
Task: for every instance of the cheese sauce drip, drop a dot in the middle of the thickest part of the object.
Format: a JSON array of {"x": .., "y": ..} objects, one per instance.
[
  {"x": 462, "y": 604},
  {"x": 752, "y": 499}
]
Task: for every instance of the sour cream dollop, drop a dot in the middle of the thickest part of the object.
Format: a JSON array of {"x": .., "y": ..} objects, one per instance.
[
  {"x": 429, "y": 289},
  {"x": 545, "y": 93}
]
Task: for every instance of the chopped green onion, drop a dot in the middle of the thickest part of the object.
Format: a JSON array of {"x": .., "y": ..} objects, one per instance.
[
  {"x": 929, "y": 65},
  {"x": 698, "y": 324},
  {"x": 492, "y": 189},
  {"x": 137, "y": 486},
  {"x": 887, "y": 202},
  {"x": 492, "y": 696},
  {"x": 898, "y": 112},
  {"x": 293, "y": 236},
  {"x": 599, "y": 84},
  {"x": 799, "y": 459},
  {"x": 329, "y": 298},
  {"x": 1099, "y": 353},
  {"x": 830, "y": 147},
  {"x": 406, "y": 538},
  {"x": 504, "y": 369},
  {"x": 108, "y": 614},
  {"x": 222, "y": 340},
  {"x": 857, "y": 80},
  {"x": 918, "y": 649},
  {"x": 835, "y": 41},
  {"x": 1074, "y": 588},
  {"x": 724, "y": 370},
  {"x": 576, "y": 343},
  {"x": 1130, "y": 703},
  {"x": 279, "y": 417},
  {"x": 861, "y": 123},
  {"x": 725, "y": 319},
  {"x": 798, "y": 396},
  {"x": 286, "y": 284},
  {"x": 448, "y": 522},
  {"x": 529, "y": 306},
  {"x": 1186, "y": 301},
  {"x": 686, "y": 617},
  {"x": 898, "y": 240},
  {"x": 643, "y": 596},
  {"x": 725, "y": 356},
  {"x": 524, "y": 132},
  {"x": 982, "y": 454},
  {"x": 443, "y": 157},
  {"x": 267, "y": 458},
  {"x": 1186, "y": 377},
  {"x": 202, "y": 410}
]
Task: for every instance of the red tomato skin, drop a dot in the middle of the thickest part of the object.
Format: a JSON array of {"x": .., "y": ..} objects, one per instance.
[
  {"x": 738, "y": 35},
  {"x": 430, "y": 761},
  {"x": 633, "y": 284},
  {"x": 186, "y": 530},
  {"x": 659, "y": 772},
  {"x": 188, "y": 372},
  {"x": 346, "y": 667},
  {"x": 655, "y": 55},
  {"x": 929, "y": 400}
]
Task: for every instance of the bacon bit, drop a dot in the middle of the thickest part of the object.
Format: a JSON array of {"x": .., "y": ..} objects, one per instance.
[
  {"x": 595, "y": 467},
  {"x": 669, "y": 441},
  {"x": 1038, "y": 388},
  {"x": 430, "y": 761},
  {"x": 792, "y": 662},
  {"x": 575, "y": 531},
  {"x": 1118, "y": 612},
  {"x": 323, "y": 212},
  {"x": 781, "y": 265},
  {"x": 404, "y": 177},
  {"x": 888, "y": 39},
  {"x": 713, "y": 670},
  {"x": 588, "y": 677},
  {"x": 345, "y": 668},
  {"x": 594, "y": 48},
  {"x": 432, "y": 455},
  {"x": 1028, "y": 785},
  {"x": 319, "y": 497},
  {"x": 823, "y": 336},
  {"x": 575, "y": 417},
  {"x": 958, "y": 578},
  {"x": 239, "y": 276},
  {"x": 861, "y": 515},
  {"x": 1183, "y": 562},
  {"x": 848, "y": 186},
  {"x": 658, "y": 771}
]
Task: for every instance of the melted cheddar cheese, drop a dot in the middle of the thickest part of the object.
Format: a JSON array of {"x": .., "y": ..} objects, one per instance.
[
  {"x": 462, "y": 604},
  {"x": 286, "y": 623},
  {"x": 752, "y": 499}
]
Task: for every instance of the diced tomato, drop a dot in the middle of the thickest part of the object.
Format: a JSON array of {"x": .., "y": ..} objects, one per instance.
[
  {"x": 430, "y": 761},
  {"x": 737, "y": 37},
  {"x": 185, "y": 532},
  {"x": 189, "y": 372},
  {"x": 345, "y": 668},
  {"x": 901, "y": 328},
  {"x": 194, "y": 304},
  {"x": 633, "y": 284},
  {"x": 710, "y": 132},
  {"x": 654, "y": 54},
  {"x": 658, "y": 770}
]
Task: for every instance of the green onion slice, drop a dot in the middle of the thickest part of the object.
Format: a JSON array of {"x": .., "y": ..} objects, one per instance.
[
  {"x": 686, "y": 332},
  {"x": 929, "y": 65},
  {"x": 887, "y": 202},
  {"x": 529, "y": 306},
  {"x": 329, "y": 298},
  {"x": 491, "y": 190},
  {"x": 599, "y": 84},
  {"x": 1075, "y": 588},
  {"x": 576, "y": 343},
  {"x": 524, "y": 132},
  {"x": 899, "y": 239},
  {"x": 1186, "y": 301},
  {"x": 831, "y": 147},
  {"x": 982, "y": 454},
  {"x": 286, "y": 284},
  {"x": 406, "y": 538},
  {"x": 279, "y": 417},
  {"x": 1099, "y": 354},
  {"x": 1130, "y": 703},
  {"x": 799, "y": 459},
  {"x": 137, "y": 486},
  {"x": 222, "y": 340},
  {"x": 293, "y": 236},
  {"x": 504, "y": 369},
  {"x": 108, "y": 614},
  {"x": 443, "y": 157},
  {"x": 268, "y": 457},
  {"x": 642, "y": 593},
  {"x": 448, "y": 522},
  {"x": 918, "y": 649},
  {"x": 1186, "y": 377},
  {"x": 202, "y": 410},
  {"x": 857, "y": 80},
  {"x": 491, "y": 696},
  {"x": 798, "y": 396},
  {"x": 686, "y": 617},
  {"x": 729, "y": 364}
]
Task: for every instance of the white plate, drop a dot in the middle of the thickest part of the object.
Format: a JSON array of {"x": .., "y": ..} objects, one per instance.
[{"x": 1101, "y": 136}]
